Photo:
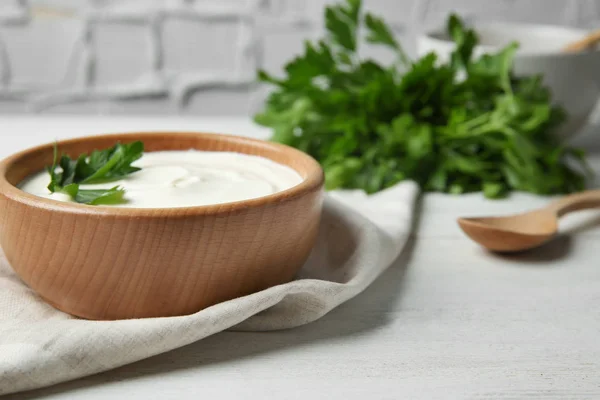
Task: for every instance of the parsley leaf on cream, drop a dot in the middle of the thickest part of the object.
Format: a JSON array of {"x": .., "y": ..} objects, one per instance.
[{"x": 100, "y": 167}]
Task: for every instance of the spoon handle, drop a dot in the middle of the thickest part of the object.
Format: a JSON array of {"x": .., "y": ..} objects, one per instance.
[
  {"x": 575, "y": 202},
  {"x": 588, "y": 41}
]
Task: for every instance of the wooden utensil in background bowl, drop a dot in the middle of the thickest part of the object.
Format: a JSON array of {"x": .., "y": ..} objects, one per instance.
[{"x": 100, "y": 262}]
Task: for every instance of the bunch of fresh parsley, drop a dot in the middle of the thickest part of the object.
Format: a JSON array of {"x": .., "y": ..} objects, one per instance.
[
  {"x": 100, "y": 167},
  {"x": 462, "y": 126}
]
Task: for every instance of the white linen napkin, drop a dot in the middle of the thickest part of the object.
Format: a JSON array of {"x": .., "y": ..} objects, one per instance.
[{"x": 360, "y": 236}]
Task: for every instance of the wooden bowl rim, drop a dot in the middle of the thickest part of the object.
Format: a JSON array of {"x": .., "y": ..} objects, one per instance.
[{"x": 312, "y": 182}]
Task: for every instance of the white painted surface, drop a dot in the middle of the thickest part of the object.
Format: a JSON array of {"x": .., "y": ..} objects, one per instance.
[
  {"x": 447, "y": 321},
  {"x": 198, "y": 56}
]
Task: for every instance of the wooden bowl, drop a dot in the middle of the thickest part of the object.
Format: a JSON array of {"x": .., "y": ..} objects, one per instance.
[{"x": 100, "y": 262}]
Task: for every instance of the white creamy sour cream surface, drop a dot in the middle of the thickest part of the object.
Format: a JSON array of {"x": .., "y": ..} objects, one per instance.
[{"x": 188, "y": 178}]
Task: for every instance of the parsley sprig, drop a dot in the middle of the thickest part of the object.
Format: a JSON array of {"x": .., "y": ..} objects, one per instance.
[
  {"x": 459, "y": 126},
  {"x": 100, "y": 167}
]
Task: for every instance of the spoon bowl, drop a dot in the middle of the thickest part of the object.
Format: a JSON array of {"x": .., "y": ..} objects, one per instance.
[{"x": 511, "y": 233}]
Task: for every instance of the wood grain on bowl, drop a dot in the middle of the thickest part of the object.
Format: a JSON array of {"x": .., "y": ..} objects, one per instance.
[{"x": 111, "y": 263}]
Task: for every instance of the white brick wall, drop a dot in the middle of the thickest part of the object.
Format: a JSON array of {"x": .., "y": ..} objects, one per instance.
[{"x": 193, "y": 56}]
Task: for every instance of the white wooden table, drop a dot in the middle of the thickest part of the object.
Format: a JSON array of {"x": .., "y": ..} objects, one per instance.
[{"x": 447, "y": 321}]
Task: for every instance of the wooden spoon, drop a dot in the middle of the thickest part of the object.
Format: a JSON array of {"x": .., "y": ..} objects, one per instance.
[
  {"x": 526, "y": 230},
  {"x": 589, "y": 41}
]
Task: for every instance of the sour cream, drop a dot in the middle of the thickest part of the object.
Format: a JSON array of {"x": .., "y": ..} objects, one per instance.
[{"x": 188, "y": 178}]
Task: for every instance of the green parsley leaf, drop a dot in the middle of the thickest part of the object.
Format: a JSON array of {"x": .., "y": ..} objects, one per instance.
[
  {"x": 342, "y": 22},
  {"x": 111, "y": 164},
  {"x": 380, "y": 33},
  {"x": 113, "y": 195},
  {"x": 465, "y": 40}
]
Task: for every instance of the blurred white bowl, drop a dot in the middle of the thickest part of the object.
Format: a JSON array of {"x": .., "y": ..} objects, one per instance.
[{"x": 573, "y": 78}]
